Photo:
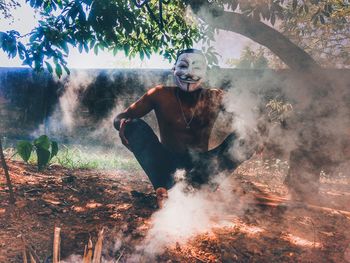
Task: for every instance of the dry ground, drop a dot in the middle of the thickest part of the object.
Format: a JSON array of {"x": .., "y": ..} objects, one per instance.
[{"x": 81, "y": 202}]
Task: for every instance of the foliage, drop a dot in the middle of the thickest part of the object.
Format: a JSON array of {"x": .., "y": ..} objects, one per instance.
[
  {"x": 98, "y": 25},
  {"x": 278, "y": 110},
  {"x": 143, "y": 27},
  {"x": 250, "y": 59},
  {"x": 45, "y": 150},
  {"x": 6, "y": 6},
  {"x": 324, "y": 34}
]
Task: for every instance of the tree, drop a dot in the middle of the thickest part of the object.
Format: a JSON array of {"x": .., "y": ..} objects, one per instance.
[
  {"x": 97, "y": 25},
  {"x": 145, "y": 27},
  {"x": 324, "y": 34},
  {"x": 250, "y": 59}
]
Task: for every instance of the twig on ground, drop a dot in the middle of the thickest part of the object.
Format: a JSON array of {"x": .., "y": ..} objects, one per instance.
[
  {"x": 32, "y": 254},
  {"x": 73, "y": 189},
  {"x": 120, "y": 256},
  {"x": 24, "y": 253},
  {"x": 33, "y": 190},
  {"x": 32, "y": 259},
  {"x": 201, "y": 260}
]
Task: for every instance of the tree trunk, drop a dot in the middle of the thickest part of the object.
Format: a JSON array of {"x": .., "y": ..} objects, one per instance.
[
  {"x": 6, "y": 171},
  {"x": 292, "y": 55}
]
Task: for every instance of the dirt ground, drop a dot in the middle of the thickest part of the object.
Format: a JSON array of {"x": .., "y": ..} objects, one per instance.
[{"x": 82, "y": 202}]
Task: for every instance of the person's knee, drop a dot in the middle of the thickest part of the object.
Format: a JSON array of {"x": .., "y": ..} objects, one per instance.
[
  {"x": 136, "y": 125},
  {"x": 139, "y": 132},
  {"x": 116, "y": 123}
]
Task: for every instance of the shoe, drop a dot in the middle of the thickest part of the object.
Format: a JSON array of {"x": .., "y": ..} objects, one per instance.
[{"x": 162, "y": 195}]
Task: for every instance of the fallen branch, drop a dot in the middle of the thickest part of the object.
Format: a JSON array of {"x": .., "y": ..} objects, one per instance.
[{"x": 7, "y": 175}]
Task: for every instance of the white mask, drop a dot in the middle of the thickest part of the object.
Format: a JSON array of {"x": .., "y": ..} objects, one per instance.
[{"x": 190, "y": 70}]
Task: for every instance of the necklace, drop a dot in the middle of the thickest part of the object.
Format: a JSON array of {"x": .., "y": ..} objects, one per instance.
[{"x": 188, "y": 123}]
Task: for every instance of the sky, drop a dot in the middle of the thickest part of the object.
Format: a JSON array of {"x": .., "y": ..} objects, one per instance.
[{"x": 229, "y": 45}]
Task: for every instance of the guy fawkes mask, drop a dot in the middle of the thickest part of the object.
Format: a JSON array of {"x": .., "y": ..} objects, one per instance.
[{"x": 189, "y": 71}]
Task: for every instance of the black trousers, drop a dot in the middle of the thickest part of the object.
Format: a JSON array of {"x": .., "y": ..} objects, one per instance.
[{"x": 160, "y": 163}]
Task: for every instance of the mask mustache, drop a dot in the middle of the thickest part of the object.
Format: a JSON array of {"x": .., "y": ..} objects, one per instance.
[{"x": 190, "y": 79}]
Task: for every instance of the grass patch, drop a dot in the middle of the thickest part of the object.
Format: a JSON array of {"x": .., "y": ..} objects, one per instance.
[
  {"x": 83, "y": 157},
  {"x": 80, "y": 157}
]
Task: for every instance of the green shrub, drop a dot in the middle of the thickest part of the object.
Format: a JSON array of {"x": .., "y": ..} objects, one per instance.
[{"x": 45, "y": 150}]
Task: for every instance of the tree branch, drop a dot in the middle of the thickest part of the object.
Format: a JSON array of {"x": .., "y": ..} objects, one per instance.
[
  {"x": 6, "y": 171},
  {"x": 292, "y": 55}
]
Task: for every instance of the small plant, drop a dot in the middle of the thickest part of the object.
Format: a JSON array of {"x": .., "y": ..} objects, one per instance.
[
  {"x": 45, "y": 150},
  {"x": 278, "y": 110}
]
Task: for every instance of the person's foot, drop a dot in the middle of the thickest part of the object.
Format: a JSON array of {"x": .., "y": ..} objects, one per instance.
[{"x": 162, "y": 195}]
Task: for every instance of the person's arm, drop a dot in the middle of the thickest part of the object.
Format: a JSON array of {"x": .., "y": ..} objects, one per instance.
[{"x": 136, "y": 110}]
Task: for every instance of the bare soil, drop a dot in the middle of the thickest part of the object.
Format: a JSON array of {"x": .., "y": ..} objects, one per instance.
[{"x": 82, "y": 202}]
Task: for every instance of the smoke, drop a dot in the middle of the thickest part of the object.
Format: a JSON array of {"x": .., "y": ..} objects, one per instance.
[
  {"x": 90, "y": 100},
  {"x": 68, "y": 114},
  {"x": 188, "y": 212}
]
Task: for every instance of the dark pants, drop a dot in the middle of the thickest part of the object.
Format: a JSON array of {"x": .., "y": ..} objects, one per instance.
[{"x": 160, "y": 164}]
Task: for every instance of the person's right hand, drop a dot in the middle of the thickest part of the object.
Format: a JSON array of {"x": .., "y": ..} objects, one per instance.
[{"x": 122, "y": 126}]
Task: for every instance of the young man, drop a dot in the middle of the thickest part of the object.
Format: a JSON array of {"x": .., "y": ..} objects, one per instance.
[{"x": 186, "y": 114}]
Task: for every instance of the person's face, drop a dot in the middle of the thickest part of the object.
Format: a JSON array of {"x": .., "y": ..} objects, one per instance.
[{"x": 189, "y": 71}]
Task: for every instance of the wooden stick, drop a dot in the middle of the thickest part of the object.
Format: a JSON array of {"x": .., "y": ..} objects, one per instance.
[
  {"x": 7, "y": 175},
  {"x": 88, "y": 252},
  {"x": 120, "y": 256},
  {"x": 24, "y": 254},
  {"x": 98, "y": 248},
  {"x": 32, "y": 259},
  {"x": 56, "y": 245},
  {"x": 32, "y": 254}
]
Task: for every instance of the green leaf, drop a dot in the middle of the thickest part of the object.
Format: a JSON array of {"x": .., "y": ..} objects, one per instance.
[
  {"x": 86, "y": 48},
  {"x": 92, "y": 43},
  {"x": 58, "y": 70},
  {"x": 66, "y": 69},
  {"x": 43, "y": 142},
  {"x": 43, "y": 157},
  {"x": 142, "y": 54},
  {"x": 96, "y": 49},
  {"x": 24, "y": 149},
  {"x": 49, "y": 67},
  {"x": 64, "y": 46},
  {"x": 54, "y": 149},
  {"x": 126, "y": 49},
  {"x": 33, "y": 37}
]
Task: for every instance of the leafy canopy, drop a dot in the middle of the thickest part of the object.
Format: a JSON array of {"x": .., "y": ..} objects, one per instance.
[{"x": 143, "y": 28}]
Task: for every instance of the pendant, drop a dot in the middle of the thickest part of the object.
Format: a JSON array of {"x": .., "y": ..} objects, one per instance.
[{"x": 188, "y": 126}]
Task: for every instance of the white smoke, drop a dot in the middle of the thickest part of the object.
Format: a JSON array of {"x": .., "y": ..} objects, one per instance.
[{"x": 189, "y": 212}]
